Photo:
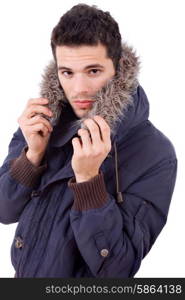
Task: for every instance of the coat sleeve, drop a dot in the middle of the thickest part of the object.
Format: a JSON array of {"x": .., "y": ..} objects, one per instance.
[
  {"x": 17, "y": 180},
  {"x": 112, "y": 237}
]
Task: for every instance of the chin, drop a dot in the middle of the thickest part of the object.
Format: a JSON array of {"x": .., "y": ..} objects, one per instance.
[{"x": 81, "y": 113}]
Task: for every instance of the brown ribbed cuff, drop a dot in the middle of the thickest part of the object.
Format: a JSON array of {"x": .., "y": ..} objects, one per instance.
[
  {"x": 22, "y": 170},
  {"x": 89, "y": 194}
]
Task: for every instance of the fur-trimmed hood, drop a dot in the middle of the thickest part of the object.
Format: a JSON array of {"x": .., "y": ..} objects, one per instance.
[{"x": 112, "y": 101}]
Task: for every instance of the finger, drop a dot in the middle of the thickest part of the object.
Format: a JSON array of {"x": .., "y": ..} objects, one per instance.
[
  {"x": 76, "y": 146},
  {"x": 38, "y": 119},
  {"x": 35, "y": 109},
  {"x": 104, "y": 128},
  {"x": 36, "y": 128},
  {"x": 85, "y": 138},
  {"x": 94, "y": 131},
  {"x": 41, "y": 101}
]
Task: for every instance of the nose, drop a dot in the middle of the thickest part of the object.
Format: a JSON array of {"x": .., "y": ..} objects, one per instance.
[{"x": 80, "y": 85}]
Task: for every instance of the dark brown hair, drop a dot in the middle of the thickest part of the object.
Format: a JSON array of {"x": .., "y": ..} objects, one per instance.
[{"x": 88, "y": 25}]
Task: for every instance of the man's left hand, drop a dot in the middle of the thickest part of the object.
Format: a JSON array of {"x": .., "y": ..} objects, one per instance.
[{"x": 91, "y": 150}]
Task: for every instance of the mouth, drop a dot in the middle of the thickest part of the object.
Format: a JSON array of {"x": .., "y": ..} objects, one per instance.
[{"x": 83, "y": 103}]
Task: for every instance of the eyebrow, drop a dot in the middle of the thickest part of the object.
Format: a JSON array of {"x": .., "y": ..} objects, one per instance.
[{"x": 87, "y": 67}]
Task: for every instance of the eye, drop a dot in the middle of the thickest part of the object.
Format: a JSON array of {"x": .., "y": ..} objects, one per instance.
[
  {"x": 94, "y": 72},
  {"x": 67, "y": 73}
]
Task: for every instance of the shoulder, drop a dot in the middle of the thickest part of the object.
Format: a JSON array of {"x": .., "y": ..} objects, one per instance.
[
  {"x": 149, "y": 137},
  {"x": 144, "y": 147},
  {"x": 159, "y": 144}
]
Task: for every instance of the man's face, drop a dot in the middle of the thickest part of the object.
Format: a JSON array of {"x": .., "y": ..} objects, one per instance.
[{"x": 83, "y": 71}]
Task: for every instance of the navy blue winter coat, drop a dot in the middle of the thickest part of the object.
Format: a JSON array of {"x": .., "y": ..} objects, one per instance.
[{"x": 100, "y": 228}]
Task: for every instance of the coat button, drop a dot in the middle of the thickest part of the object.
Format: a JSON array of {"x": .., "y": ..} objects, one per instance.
[
  {"x": 35, "y": 193},
  {"x": 104, "y": 252},
  {"x": 18, "y": 242}
]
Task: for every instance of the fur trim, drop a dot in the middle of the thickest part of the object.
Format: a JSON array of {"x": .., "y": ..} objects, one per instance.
[{"x": 113, "y": 99}]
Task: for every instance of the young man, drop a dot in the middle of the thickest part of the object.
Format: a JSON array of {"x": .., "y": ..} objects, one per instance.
[{"x": 88, "y": 176}]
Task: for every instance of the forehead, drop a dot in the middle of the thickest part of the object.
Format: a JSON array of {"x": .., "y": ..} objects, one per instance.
[{"x": 72, "y": 57}]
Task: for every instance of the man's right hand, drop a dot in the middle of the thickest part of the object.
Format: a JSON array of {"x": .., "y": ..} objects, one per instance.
[{"x": 35, "y": 128}]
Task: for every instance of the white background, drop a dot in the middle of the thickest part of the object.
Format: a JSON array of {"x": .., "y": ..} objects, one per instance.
[{"x": 156, "y": 31}]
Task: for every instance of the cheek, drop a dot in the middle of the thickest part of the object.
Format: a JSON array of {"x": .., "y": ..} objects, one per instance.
[
  {"x": 66, "y": 86},
  {"x": 101, "y": 82}
]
